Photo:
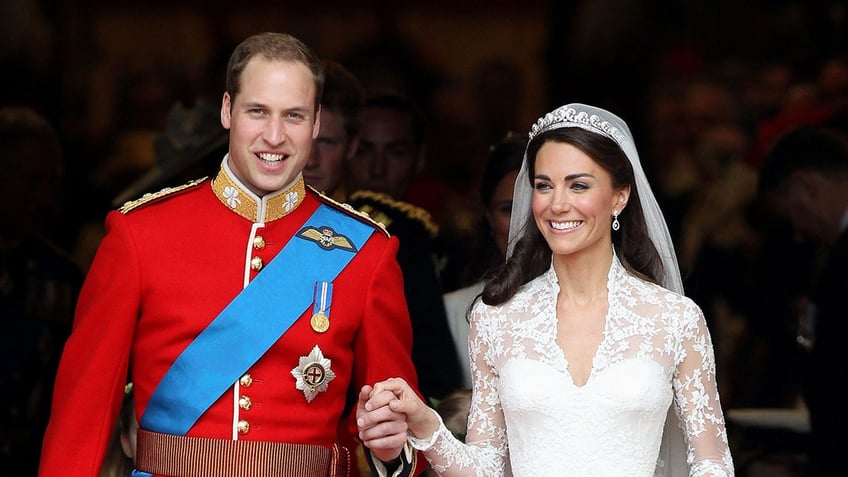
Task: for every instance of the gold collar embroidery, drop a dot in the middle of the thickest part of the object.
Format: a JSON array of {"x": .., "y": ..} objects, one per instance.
[{"x": 242, "y": 201}]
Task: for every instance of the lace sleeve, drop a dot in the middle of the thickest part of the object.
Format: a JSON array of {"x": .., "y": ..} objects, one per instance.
[
  {"x": 696, "y": 398},
  {"x": 484, "y": 453}
]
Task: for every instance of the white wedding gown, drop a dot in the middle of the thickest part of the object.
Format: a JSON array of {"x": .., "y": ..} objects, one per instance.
[{"x": 528, "y": 417}]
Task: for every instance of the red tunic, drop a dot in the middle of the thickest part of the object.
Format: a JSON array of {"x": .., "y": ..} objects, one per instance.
[{"x": 164, "y": 271}]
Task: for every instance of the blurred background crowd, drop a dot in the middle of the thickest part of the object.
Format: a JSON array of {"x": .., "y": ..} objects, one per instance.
[{"x": 130, "y": 87}]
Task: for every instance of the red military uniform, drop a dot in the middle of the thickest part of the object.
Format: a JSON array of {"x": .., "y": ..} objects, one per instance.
[{"x": 166, "y": 268}]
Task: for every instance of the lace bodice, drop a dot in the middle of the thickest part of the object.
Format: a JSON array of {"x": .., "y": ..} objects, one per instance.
[{"x": 528, "y": 418}]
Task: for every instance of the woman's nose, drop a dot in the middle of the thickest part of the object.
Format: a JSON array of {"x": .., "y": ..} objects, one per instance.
[{"x": 559, "y": 202}]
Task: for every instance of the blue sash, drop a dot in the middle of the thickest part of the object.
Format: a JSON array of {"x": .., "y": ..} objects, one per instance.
[{"x": 254, "y": 320}]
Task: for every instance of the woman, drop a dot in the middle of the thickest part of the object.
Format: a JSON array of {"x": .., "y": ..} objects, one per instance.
[
  {"x": 587, "y": 359},
  {"x": 489, "y": 249}
]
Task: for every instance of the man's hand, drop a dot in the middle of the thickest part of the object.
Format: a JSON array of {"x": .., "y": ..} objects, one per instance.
[
  {"x": 400, "y": 399},
  {"x": 381, "y": 429}
]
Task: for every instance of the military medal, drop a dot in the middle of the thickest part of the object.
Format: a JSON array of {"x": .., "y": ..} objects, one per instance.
[
  {"x": 323, "y": 295},
  {"x": 320, "y": 322},
  {"x": 313, "y": 374}
]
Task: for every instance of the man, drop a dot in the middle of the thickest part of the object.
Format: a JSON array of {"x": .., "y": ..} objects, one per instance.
[
  {"x": 390, "y": 155},
  {"x": 338, "y": 137},
  {"x": 242, "y": 307},
  {"x": 392, "y": 148},
  {"x": 804, "y": 180},
  {"x": 39, "y": 283}
]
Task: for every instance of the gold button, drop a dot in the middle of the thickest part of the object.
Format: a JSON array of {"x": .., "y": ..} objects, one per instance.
[
  {"x": 246, "y": 380},
  {"x": 245, "y": 402},
  {"x": 243, "y": 427},
  {"x": 256, "y": 263},
  {"x": 258, "y": 242}
]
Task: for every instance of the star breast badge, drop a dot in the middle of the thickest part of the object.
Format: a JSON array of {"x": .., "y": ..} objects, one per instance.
[
  {"x": 326, "y": 238},
  {"x": 313, "y": 374}
]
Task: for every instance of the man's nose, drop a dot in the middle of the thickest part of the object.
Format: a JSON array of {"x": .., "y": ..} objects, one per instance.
[
  {"x": 377, "y": 166},
  {"x": 275, "y": 131}
]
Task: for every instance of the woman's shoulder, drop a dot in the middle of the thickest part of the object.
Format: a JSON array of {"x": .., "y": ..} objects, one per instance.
[
  {"x": 527, "y": 297},
  {"x": 651, "y": 292}
]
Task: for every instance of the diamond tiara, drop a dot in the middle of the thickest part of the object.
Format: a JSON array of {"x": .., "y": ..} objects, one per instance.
[{"x": 565, "y": 116}]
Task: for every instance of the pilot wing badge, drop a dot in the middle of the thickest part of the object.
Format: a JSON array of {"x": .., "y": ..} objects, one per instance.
[{"x": 326, "y": 238}]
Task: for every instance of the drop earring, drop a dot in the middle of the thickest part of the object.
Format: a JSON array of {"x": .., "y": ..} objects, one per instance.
[{"x": 615, "y": 224}]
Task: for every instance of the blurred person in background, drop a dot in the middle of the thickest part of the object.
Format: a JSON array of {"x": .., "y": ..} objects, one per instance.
[
  {"x": 488, "y": 248},
  {"x": 803, "y": 180},
  {"x": 39, "y": 283},
  {"x": 338, "y": 137},
  {"x": 391, "y": 153}
]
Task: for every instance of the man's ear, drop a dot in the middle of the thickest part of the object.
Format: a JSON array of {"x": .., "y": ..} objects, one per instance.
[
  {"x": 226, "y": 111},
  {"x": 352, "y": 147},
  {"x": 316, "y": 127},
  {"x": 810, "y": 183}
]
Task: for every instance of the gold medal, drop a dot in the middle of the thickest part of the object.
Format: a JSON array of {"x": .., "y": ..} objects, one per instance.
[{"x": 320, "y": 323}]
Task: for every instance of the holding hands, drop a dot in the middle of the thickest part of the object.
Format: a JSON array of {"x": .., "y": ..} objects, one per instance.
[{"x": 385, "y": 412}]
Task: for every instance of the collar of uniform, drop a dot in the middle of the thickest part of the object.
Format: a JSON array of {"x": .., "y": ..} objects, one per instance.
[{"x": 242, "y": 201}]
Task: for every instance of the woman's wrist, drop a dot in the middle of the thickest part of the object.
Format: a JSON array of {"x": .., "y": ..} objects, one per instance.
[
  {"x": 427, "y": 426},
  {"x": 423, "y": 435}
]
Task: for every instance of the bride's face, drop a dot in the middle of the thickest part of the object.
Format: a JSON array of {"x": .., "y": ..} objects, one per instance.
[{"x": 573, "y": 200}]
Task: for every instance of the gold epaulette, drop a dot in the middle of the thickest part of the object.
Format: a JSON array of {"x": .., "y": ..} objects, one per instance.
[
  {"x": 154, "y": 196},
  {"x": 349, "y": 209},
  {"x": 412, "y": 211}
]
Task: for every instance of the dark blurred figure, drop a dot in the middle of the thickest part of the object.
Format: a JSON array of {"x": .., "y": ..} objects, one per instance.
[
  {"x": 391, "y": 152},
  {"x": 189, "y": 147},
  {"x": 804, "y": 181},
  {"x": 38, "y": 284},
  {"x": 473, "y": 257},
  {"x": 338, "y": 137},
  {"x": 392, "y": 146},
  {"x": 498, "y": 96}
]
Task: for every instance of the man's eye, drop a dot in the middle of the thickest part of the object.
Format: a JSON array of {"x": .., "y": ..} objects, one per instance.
[
  {"x": 402, "y": 152},
  {"x": 364, "y": 153}
]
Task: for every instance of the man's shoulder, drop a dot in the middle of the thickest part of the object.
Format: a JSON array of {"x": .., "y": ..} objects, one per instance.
[
  {"x": 399, "y": 217},
  {"x": 163, "y": 194},
  {"x": 349, "y": 211}
]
